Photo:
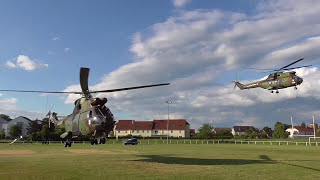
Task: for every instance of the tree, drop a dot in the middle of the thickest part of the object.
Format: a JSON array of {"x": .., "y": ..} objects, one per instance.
[
  {"x": 205, "y": 132},
  {"x": 2, "y": 134},
  {"x": 303, "y": 124},
  {"x": 266, "y": 129},
  {"x": 6, "y": 117},
  {"x": 34, "y": 126},
  {"x": 279, "y": 131},
  {"x": 318, "y": 134},
  {"x": 15, "y": 131},
  {"x": 224, "y": 134},
  {"x": 45, "y": 132}
]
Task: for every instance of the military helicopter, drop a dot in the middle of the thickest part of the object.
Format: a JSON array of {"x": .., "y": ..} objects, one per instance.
[
  {"x": 90, "y": 116},
  {"x": 276, "y": 80}
]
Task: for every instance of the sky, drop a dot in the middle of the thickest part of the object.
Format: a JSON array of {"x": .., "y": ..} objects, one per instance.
[{"x": 197, "y": 46}]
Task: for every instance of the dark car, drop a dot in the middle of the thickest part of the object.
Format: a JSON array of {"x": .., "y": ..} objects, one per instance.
[{"x": 133, "y": 141}]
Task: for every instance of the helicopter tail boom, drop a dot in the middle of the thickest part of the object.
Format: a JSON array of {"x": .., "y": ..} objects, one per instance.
[{"x": 240, "y": 86}]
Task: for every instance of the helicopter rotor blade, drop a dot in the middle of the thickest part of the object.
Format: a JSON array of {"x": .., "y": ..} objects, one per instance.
[
  {"x": 259, "y": 69},
  {"x": 49, "y": 92},
  {"x": 129, "y": 88},
  {"x": 297, "y": 67},
  {"x": 290, "y": 64},
  {"x": 84, "y": 74}
]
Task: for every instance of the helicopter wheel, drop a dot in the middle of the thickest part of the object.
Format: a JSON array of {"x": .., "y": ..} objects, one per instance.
[
  {"x": 92, "y": 141},
  {"x": 102, "y": 140},
  {"x": 271, "y": 91},
  {"x": 96, "y": 141},
  {"x": 295, "y": 88},
  {"x": 277, "y": 92}
]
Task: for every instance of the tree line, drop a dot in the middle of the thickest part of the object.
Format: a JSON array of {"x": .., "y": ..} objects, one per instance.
[{"x": 206, "y": 132}]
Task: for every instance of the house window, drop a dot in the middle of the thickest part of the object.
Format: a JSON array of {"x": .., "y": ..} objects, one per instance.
[
  {"x": 137, "y": 131},
  {"x": 132, "y": 131},
  {"x": 143, "y": 131},
  {"x": 119, "y": 131},
  {"x": 180, "y": 131},
  {"x": 171, "y": 131},
  {"x": 162, "y": 132},
  {"x": 126, "y": 131},
  {"x": 156, "y": 132}
]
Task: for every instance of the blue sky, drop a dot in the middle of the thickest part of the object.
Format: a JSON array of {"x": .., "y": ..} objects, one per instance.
[{"x": 198, "y": 46}]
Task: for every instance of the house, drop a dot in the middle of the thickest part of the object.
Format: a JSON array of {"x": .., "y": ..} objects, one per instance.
[
  {"x": 21, "y": 121},
  {"x": 3, "y": 124},
  {"x": 217, "y": 130},
  {"x": 241, "y": 130},
  {"x": 155, "y": 128},
  {"x": 302, "y": 131},
  {"x": 192, "y": 132}
]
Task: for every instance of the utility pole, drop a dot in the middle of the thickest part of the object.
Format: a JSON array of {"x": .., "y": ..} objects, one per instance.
[{"x": 168, "y": 102}]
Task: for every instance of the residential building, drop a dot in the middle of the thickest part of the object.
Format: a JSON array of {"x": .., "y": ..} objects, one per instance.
[
  {"x": 241, "y": 130},
  {"x": 3, "y": 124},
  {"x": 155, "y": 128},
  {"x": 216, "y": 130},
  {"x": 192, "y": 132},
  {"x": 300, "y": 131},
  {"x": 21, "y": 121}
]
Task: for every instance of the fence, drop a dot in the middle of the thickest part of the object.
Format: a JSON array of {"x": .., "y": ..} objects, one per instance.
[{"x": 188, "y": 141}]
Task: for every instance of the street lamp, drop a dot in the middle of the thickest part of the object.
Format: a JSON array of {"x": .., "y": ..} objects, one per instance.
[{"x": 168, "y": 102}]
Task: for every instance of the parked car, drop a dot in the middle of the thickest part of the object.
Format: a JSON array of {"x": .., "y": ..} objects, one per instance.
[{"x": 133, "y": 141}]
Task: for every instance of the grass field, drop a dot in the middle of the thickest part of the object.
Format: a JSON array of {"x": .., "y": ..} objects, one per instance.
[{"x": 159, "y": 161}]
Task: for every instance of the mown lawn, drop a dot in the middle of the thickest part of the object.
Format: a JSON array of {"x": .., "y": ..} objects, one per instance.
[{"x": 159, "y": 161}]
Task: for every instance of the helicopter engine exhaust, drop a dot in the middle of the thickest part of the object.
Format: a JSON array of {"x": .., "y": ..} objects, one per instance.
[{"x": 98, "y": 101}]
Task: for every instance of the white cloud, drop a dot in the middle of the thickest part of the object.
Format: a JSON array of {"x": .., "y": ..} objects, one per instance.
[
  {"x": 180, "y": 3},
  {"x": 195, "y": 49},
  {"x": 24, "y": 62},
  {"x": 55, "y": 38},
  {"x": 66, "y": 49},
  {"x": 10, "y": 65}
]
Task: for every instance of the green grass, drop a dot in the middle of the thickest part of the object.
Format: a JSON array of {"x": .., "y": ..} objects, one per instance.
[{"x": 159, "y": 161}]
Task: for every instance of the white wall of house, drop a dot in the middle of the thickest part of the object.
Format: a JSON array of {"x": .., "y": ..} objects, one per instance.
[{"x": 23, "y": 122}]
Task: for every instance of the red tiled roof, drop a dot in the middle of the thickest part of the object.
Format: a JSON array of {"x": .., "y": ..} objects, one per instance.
[
  {"x": 124, "y": 124},
  {"x": 174, "y": 124},
  {"x": 142, "y": 125},
  {"x": 302, "y": 128}
]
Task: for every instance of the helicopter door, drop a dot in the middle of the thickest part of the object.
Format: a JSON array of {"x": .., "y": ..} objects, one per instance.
[{"x": 75, "y": 127}]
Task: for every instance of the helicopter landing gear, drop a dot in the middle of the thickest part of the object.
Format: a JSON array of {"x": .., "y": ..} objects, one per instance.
[
  {"x": 277, "y": 92},
  {"x": 67, "y": 143},
  {"x": 102, "y": 140},
  {"x": 94, "y": 141},
  {"x": 271, "y": 91},
  {"x": 295, "y": 88}
]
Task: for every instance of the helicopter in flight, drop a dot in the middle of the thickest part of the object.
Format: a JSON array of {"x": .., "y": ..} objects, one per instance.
[
  {"x": 276, "y": 80},
  {"x": 90, "y": 116}
]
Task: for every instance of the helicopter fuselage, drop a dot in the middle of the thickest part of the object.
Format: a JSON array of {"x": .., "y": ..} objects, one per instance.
[
  {"x": 275, "y": 81},
  {"x": 89, "y": 117}
]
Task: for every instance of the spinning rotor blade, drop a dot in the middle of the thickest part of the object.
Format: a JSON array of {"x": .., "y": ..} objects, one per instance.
[
  {"x": 290, "y": 64},
  {"x": 259, "y": 69},
  {"x": 84, "y": 74},
  {"x": 129, "y": 88},
  {"x": 297, "y": 67},
  {"x": 51, "y": 92}
]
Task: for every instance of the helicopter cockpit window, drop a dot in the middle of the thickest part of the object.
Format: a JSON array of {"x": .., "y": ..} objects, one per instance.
[{"x": 90, "y": 114}]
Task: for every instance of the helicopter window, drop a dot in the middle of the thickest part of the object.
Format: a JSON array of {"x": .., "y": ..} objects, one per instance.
[
  {"x": 90, "y": 114},
  {"x": 79, "y": 106}
]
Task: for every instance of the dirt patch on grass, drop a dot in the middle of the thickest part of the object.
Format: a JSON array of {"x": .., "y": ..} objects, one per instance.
[
  {"x": 16, "y": 152},
  {"x": 88, "y": 151}
]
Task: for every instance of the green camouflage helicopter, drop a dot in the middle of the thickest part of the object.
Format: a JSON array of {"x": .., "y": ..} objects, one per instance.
[
  {"x": 90, "y": 116},
  {"x": 276, "y": 80}
]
